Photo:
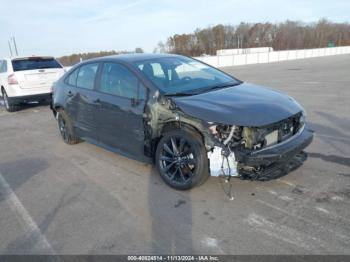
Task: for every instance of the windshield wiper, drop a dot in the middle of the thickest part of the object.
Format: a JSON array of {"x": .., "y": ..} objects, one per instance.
[
  {"x": 201, "y": 90},
  {"x": 223, "y": 86},
  {"x": 180, "y": 94}
]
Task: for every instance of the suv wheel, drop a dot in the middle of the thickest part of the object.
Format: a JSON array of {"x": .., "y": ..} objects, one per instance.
[
  {"x": 66, "y": 128},
  {"x": 8, "y": 105},
  {"x": 181, "y": 159}
]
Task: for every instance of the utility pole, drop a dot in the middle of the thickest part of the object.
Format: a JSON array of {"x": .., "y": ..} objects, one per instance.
[
  {"x": 14, "y": 43},
  {"x": 10, "y": 47}
]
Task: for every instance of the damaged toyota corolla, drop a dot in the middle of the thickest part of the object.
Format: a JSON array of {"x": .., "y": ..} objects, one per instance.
[{"x": 188, "y": 118}]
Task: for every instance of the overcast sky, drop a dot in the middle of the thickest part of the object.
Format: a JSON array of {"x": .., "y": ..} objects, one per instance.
[{"x": 63, "y": 27}]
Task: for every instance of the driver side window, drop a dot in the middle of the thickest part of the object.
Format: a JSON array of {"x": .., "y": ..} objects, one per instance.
[{"x": 118, "y": 80}]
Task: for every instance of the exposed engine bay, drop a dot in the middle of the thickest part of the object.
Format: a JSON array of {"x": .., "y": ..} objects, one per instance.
[{"x": 237, "y": 143}]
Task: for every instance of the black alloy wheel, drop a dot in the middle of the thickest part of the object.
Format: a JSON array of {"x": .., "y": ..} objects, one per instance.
[
  {"x": 66, "y": 128},
  {"x": 178, "y": 160},
  {"x": 63, "y": 129},
  {"x": 181, "y": 159}
]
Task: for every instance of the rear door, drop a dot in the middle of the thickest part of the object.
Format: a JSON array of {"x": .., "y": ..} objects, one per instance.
[
  {"x": 37, "y": 72},
  {"x": 121, "y": 97},
  {"x": 81, "y": 99}
]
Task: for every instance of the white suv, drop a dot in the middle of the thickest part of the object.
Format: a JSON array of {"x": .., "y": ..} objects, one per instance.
[{"x": 27, "y": 79}]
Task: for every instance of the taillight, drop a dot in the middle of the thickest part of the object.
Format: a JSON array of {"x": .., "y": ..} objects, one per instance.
[{"x": 11, "y": 80}]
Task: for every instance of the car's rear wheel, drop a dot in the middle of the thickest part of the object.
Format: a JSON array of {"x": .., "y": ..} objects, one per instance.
[
  {"x": 66, "y": 128},
  {"x": 10, "y": 107},
  {"x": 182, "y": 160}
]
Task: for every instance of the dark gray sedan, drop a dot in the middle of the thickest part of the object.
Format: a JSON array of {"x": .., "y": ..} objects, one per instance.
[{"x": 190, "y": 119}]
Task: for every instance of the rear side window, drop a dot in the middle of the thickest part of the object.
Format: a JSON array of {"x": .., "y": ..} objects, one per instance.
[
  {"x": 72, "y": 78},
  {"x": 86, "y": 76},
  {"x": 34, "y": 63},
  {"x": 3, "y": 66}
]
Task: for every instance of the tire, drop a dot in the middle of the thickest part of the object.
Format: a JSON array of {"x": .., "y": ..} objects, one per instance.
[
  {"x": 181, "y": 159},
  {"x": 66, "y": 129},
  {"x": 10, "y": 107}
]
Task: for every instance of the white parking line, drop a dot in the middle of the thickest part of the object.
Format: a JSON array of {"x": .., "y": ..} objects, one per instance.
[{"x": 30, "y": 227}]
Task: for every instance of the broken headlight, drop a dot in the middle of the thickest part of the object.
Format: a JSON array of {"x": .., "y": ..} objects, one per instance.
[{"x": 254, "y": 138}]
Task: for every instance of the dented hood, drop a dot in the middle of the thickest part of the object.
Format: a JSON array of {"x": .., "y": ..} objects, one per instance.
[{"x": 243, "y": 105}]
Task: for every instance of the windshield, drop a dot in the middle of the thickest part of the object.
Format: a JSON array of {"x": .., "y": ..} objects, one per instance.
[
  {"x": 34, "y": 63},
  {"x": 183, "y": 75}
]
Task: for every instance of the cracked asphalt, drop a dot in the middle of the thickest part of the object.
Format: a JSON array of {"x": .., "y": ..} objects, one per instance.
[{"x": 81, "y": 199}]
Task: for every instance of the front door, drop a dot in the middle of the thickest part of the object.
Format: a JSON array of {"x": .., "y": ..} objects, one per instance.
[{"x": 121, "y": 97}]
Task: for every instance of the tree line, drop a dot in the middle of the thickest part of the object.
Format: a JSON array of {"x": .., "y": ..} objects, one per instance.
[
  {"x": 287, "y": 35},
  {"x": 281, "y": 36}
]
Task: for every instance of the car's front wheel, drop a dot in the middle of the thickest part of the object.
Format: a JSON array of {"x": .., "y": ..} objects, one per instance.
[
  {"x": 66, "y": 128},
  {"x": 10, "y": 107},
  {"x": 182, "y": 160}
]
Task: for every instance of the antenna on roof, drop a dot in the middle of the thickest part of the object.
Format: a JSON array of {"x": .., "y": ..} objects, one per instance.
[
  {"x": 10, "y": 47},
  {"x": 15, "y": 45}
]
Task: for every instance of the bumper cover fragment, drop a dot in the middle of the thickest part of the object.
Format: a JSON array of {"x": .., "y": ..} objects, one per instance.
[{"x": 280, "y": 158}]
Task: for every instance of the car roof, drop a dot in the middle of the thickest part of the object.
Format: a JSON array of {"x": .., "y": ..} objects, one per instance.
[{"x": 133, "y": 57}]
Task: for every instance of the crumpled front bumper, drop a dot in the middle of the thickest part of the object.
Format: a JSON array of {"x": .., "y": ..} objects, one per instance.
[{"x": 278, "y": 154}]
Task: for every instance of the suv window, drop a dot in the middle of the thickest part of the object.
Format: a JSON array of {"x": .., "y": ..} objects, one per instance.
[
  {"x": 86, "y": 76},
  {"x": 33, "y": 63},
  {"x": 118, "y": 80},
  {"x": 3, "y": 66}
]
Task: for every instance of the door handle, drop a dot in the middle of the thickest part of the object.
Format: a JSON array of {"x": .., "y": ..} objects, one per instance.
[
  {"x": 97, "y": 101},
  {"x": 70, "y": 94}
]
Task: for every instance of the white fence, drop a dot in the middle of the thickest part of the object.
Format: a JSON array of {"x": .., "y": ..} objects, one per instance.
[
  {"x": 239, "y": 51},
  {"x": 270, "y": 57}
]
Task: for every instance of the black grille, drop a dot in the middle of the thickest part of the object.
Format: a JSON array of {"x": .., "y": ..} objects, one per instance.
[{"x": 285, "y": 129}]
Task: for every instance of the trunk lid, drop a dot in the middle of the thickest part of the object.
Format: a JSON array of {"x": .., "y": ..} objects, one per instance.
[{"x": 38, "y": 78}]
